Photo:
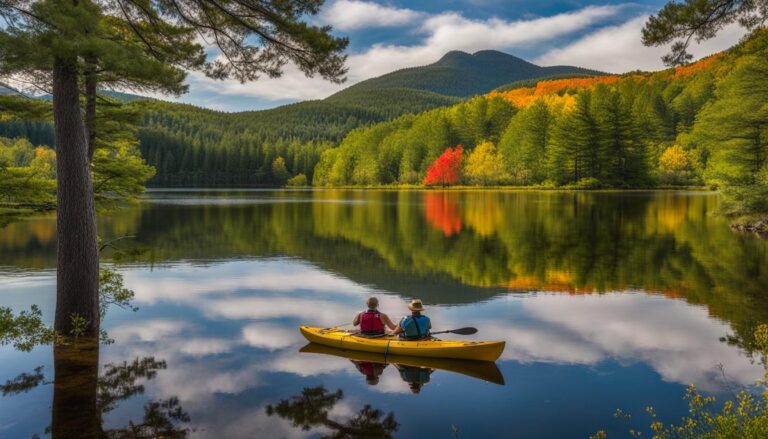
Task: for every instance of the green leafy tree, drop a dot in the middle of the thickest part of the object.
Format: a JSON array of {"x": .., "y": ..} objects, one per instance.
[
  {"x": 299, "y": 180},
  {"x": 27, "y": 175},
  {"x": 55, "y": 44}
]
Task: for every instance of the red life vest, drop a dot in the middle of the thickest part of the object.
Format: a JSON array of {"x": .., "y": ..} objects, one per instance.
[{"x": 370, "y": 322}]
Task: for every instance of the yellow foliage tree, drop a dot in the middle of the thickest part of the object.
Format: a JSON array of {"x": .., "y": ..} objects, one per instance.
[
  {"x": 44, "y": 162},
  {"x": 676, "y": 165},
  {"x": 279, "y": 171},
  {"x": 484, "y": 165}
]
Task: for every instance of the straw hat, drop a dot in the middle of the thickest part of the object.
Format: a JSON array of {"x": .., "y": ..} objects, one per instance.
[{"x": 416, "y": 305}]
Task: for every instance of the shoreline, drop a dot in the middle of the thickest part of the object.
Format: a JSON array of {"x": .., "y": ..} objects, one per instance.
[{"x": 430, "y": 188}]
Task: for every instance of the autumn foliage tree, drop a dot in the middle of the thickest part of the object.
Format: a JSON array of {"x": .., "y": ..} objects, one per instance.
[
  {"x": 446, "y": 169},
  {"x": 484, "y": 165},
  {"x": 676, "y": 165}
]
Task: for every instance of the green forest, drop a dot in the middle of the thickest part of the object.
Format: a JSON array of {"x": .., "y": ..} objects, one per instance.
[
  {"x": 679, "y": 126},
  {"x": 700, "y": 124},
  {"x": 191, "y": 146}
]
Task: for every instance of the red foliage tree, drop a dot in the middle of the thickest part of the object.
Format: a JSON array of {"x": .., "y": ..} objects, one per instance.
[{"x": 446, "y": 169}]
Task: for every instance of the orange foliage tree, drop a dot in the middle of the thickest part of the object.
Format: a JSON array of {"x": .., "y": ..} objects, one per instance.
[
  {"x": 446, "y": 169},
  {"x": 525, "y": 96}
]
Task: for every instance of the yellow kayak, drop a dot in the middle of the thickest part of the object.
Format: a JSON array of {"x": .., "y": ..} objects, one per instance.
[
  {"x": 484, "y": 370},
  {"x": 392, "y": 345}
]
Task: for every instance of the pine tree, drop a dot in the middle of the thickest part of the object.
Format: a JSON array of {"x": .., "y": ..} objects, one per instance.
[
  {"x": 57, "y": 43},
  {"x": 621, "y": 157},
  {"x": 734, "y": 129},
  {"x": 523, "y": 145},
  {"x": 575, "y": 144}
]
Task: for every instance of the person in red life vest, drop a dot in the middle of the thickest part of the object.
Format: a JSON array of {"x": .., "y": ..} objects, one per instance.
[{"x": 373, "y": 322}]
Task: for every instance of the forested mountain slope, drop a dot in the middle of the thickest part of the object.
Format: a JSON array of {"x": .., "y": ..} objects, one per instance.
[
  {"x": 702, "y": 123},
  {"x": 462, "y": 74}
]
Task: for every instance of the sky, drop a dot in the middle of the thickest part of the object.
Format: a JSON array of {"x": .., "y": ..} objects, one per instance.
[{"x": 386, "y": 35}]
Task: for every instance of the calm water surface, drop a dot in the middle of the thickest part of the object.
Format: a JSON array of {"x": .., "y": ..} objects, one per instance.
[{"x": 605, "y": 301}]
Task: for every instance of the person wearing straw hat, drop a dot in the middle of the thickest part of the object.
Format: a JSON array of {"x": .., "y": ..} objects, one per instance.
[{"x": 416, "y": 326}]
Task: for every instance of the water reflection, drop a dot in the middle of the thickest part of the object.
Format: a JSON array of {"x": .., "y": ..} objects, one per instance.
[
  {"x": 312, "y": 409},
  {"x": 414, "y": 371},
  {"x": 604, "y": 300},
  {"x": 82, "y": 396}
]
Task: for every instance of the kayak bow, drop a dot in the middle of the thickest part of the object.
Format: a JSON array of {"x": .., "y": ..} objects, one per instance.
[{"x": 393, "y": 345}]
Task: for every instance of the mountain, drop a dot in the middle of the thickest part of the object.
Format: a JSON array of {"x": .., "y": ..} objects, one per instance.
[
  {"x": 193, "y": 146},
  {"x": 462, "y": 74}
]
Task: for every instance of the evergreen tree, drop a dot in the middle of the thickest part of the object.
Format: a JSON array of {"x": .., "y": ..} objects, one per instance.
[
  {"x": 56, "y": 43},
  {"x": 734, "y": 129},
  {"x": 621, "y": 156},
  {"x": 681, "y": 22},
  {"x": 523, "y": 145},
  {"x": 575, "y": 144}
]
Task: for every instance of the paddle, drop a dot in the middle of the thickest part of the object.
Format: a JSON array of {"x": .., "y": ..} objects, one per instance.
[{"x": 460, "y": 331}]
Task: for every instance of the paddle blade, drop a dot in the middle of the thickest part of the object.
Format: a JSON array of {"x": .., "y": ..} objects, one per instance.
[{"x": 464, "y": 331}]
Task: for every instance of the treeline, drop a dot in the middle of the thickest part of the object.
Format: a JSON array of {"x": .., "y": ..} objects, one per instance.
[
  {"x": 28, "y": 170},
  {"x": 195, "y": 147},
  {"x": 705, "y": 123},
  {"x": 27, "y": 175},
  {"x": 190, "y": 146},
  {"x": 399, "y": 151},
  {"x": 594, "y": 132}
]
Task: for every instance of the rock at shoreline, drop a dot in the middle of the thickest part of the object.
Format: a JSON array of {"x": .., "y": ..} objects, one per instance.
[{"x": 758, "y": 226}]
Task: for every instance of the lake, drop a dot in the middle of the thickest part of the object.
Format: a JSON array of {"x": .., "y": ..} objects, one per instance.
[{"x": 606, "y": 300}]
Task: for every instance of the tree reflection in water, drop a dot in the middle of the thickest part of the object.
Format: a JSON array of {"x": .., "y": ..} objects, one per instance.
[
  {"x": 81, "y": 397},
  {"x": 311, "y": 409}
]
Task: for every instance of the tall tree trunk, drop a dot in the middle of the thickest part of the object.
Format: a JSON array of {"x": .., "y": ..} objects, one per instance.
[
  {"x": 74, "y": 412},
  {"x": 77, "y": 276},
  {"x": 90, "y": 105}
]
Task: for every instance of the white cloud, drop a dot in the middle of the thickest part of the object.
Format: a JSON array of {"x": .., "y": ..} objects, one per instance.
[
  {"x": 352, "y": 14},
  {"x": 618, "y": 49},
  {"x": 443, "y": 33}
]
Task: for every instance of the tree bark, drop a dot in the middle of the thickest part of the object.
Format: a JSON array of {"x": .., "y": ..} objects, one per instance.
[
  {"x": 74, "y": 412},
  {"x": 90, "y": 106},
  {"x": 77, "y": 276}
]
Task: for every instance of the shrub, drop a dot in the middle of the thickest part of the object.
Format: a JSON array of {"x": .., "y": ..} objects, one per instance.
[{"x": 298, "y": 180}]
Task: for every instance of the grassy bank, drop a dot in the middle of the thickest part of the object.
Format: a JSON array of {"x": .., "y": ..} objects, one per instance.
[{"x": 529, "y": 188}]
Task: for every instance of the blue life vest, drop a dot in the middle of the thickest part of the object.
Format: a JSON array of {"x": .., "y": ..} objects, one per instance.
[{"x": 415, "y": 327}]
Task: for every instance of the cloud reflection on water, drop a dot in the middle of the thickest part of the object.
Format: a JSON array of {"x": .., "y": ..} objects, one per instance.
[{"x": 270, "y": 298}]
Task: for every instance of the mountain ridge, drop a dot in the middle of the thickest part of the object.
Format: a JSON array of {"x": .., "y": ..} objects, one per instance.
[{"x": 461, "y": 74}]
